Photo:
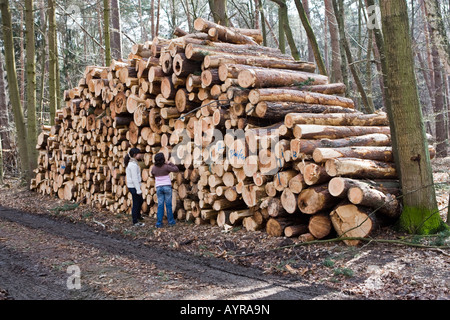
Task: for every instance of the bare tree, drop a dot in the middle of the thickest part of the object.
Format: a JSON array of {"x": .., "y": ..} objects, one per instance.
[
  {"x": 116, "y": 34},
  {"x": 14, "y": 87}
]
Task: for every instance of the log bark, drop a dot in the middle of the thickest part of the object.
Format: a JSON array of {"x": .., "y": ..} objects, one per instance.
[
  {"x": 287, "y": 111},
  {"x": 275, "y": 227},
  {"x": 305, "y": 146},
  {"x": 223, "y": 33},
  {"x": 339, "y": 186},
  {"x": 366, "y": 195},
  {"x": 286, "y": 95},
  {"x": 264, "y": 78},
  {"x": 215, "y": 61},
  {"x": 295, "y": 230},
  {"x": 337, "y": 119},
  {"x": 360, "y": 168},
  {"x": 311, "y": 131},
  {"x": 385, "y": 154}
]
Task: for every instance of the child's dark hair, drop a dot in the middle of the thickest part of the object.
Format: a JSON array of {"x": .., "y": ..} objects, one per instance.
[
  {"x": 131, "y": 154},
  {"x": 160, "y": 159}
]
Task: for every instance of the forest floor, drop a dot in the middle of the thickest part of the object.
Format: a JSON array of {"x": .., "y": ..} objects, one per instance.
[{"x": 42, "y": 238}]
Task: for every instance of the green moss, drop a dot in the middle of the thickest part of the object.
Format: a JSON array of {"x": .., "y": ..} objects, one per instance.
[{"x": 416, "y": 220}]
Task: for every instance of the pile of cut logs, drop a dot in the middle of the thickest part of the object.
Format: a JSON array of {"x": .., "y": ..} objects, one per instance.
[{"x": 261, "y": 140}]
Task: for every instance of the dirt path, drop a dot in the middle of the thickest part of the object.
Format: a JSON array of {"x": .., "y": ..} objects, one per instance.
[{"x": 38, "y": 255}]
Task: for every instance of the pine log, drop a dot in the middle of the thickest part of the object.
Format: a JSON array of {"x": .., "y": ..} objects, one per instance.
[
  {"x": 320, "y": 225},
  {"x": 237, "y": 216},
  {"x": 360, "y": 168},
  {"x": 339, "y": 186},
  {"x": 215, "y": 61},
  {"x": 295, "y": 230},
  {"x": 286, "y": 111},
  {"x": 315, "y": 199},
  {"x": 275, "y": 208},
  {"x": 311, "y": 131},
  {"x": 305, "y": 146},
  {"x": 315, "y": 174},
  {"x": 182, "y": 66},
  {"x": 366, "y": 195},
  {"x": 275, "y": 226},
  {"x": 352, "y": 221},
  {"x": 286, "y": 95},
  {"x": 224, "y": 34},
  {"x": 251, "y": 224},
  {"x": 266, "y": 78},
  {"x": 385, "y": 154},
  {"x": 289, "y": 201},
  {"x": 297, "y": 183},
  {"x": 337, "y": 119}
]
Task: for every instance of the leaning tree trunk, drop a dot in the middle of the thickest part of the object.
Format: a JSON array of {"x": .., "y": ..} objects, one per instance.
[
  {"x": 420, "y": 213},
  {"x": 311, "y": 37},
  {"x": 13, "y": 86}
]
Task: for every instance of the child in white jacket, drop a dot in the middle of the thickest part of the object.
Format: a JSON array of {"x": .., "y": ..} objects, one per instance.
[{"x": 133, "y": 177}]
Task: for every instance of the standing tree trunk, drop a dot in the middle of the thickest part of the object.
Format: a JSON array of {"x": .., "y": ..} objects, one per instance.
[
  {"x": 339, "y": 12},
  {"x": 305, "y": 8},
  {"x": 439, "y": 105},
  {"x": 4, "y": 113},
  {"x": 106, "y": 14},
  {"x": 116, "y": 35},
  {"x": 31, "y": 86},
  {"x": 420, "y": 211},
  {"x": 285, "y": 29},
  {"x": 219, "y": 11},
  {"x": 311, "y": 37},
  {"x": 53, "y": 56},
  {"x": 336, "y": 74},
  {"x": 13, "y": 86},
  {"x": 436, "y": 22}
]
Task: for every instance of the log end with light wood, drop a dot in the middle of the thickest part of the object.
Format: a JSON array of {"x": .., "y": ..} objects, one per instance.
[{"x": 352, "y": 221}]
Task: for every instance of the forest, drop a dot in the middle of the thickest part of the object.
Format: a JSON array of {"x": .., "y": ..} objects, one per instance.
[{"x": 391, "y": 55}]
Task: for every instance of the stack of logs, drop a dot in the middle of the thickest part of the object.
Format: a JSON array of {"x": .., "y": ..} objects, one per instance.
[{"x": 260, "y": 139}]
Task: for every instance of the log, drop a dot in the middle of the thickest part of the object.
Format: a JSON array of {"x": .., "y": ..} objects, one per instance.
[
  {"x": 223, "y": 33},
  {"x": 214, "y": 61},
  {"x": 295, "y": 230},
  {"x": 237, "y": 216},
  {"x": 385, "y": 154},
  {"x": 360, "y": 168},
  {"x": 337, "y": 119},
  {"x": 182, "y": 67},
  {"x": 265, "y": 78},
  {"x": 289, "y": 201},
  {"x": 275, "y": 208},
  {"x": 305, "y": 146},
  {"x": 275, "y": 226},
  {"x": 352, "y": 221},
  {"x": 339, "y": 186},
  {"x": 366, "y": 195},
  {"x": 287, "y": 111},
  {"x": 315, "y": 174},
  {"x": 320, "y": 225},
  {"x": 311, "y": 131},
  {"x": 315, "y": 199},
  {"x": 287, "y": 95}
]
